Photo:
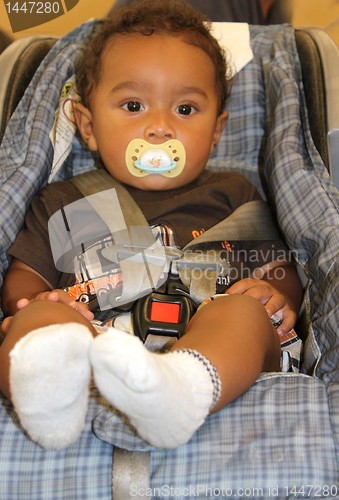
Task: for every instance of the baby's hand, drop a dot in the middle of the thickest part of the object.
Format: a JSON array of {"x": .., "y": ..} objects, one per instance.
[
  {"x": 58, "y": 296},
  {"x": 274, "y": 301}
]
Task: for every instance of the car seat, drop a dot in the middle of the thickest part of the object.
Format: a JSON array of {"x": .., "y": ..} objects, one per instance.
[
  {"x": 280, "y": 439},
  {"x": 20, "y": 61}
]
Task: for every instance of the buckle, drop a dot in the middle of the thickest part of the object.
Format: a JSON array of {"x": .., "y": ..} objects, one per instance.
[{"x": 165, "y": 312}]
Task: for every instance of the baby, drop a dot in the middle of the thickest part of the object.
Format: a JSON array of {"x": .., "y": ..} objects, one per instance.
[{"x": 152, "y": 74}]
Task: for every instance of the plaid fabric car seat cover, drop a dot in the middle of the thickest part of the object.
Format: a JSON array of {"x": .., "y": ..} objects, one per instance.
[{"x": 284, "y": 431}]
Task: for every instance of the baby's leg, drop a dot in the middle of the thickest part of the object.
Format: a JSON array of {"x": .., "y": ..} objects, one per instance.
[
  {"x": 49, "y": 380},
  {"x": 235, "y": 333},
  {"x": 45, "y": 371},
  {"x": 228, "y": 343}
]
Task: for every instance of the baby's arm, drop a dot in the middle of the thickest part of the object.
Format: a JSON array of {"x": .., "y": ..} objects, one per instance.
[
  {"x": 280, "y": 292},
  {"x": 22, "y": 285},
  {"x": 21, "y": 281}
]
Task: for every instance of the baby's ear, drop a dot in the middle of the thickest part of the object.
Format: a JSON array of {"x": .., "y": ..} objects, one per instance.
[
  {"x": 83, "y": 119},
  {"x": 219, "y": 127}
]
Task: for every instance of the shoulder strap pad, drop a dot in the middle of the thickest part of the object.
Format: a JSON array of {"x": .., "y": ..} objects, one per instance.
[{"x": 99, "y": 180}]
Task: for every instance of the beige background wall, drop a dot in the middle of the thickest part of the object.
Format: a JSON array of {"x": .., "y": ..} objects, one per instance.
[{"x": 324, "y": 13}]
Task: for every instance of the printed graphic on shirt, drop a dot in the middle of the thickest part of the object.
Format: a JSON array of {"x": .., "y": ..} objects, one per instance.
[
  {"x": 89, "y": 238},
  {"x": 96, "y": 279}
]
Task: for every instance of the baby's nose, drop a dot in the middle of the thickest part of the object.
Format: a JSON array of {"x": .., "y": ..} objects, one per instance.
[{"x": 160, "y": 128}]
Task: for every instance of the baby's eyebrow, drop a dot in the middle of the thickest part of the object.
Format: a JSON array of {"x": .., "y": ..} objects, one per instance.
[
  {"x": 133, "y": 85},
  {"x": 193, "y": 90},
  {"x": 129, "y": 85}
]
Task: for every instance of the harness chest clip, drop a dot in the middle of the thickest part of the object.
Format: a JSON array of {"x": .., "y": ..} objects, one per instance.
[{"x": 165, "y": 312}]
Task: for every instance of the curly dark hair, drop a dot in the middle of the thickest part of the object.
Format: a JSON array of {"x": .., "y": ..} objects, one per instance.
[{"x": 146, "y": 17}]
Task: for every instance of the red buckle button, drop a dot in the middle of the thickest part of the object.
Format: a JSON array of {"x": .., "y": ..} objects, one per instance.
[{"x": 165, "y": 312}]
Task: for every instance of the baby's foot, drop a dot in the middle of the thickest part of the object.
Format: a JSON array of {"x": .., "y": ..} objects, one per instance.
[
  {"x": 49, "y": 379},
  {"x": 166, "y": 396}
]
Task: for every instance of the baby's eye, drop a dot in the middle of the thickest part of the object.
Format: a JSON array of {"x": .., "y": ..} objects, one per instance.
[
  {"x": 133, "y": 106},
  {"x": 186, "y": 109}
]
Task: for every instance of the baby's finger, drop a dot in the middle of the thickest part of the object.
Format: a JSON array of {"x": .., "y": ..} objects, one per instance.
[
  {"x": 22, "y": 303},
  {"x": 5, "y": 325},
  {"x": 289, "y": 320},
  {"x": 52, "y": 296},
  {"x": 275, "y": 303},
  {"x": 83, "y": 309},
  {"x": 241, "y": 286},
  {"x": 61, "y": 296},
  {"x": 264, "y": 294}
]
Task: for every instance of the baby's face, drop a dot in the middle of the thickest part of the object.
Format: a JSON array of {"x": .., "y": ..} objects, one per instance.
[{"x": 155, "y": 88}]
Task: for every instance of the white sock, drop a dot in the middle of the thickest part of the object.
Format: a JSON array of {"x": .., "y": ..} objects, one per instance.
[
  {"x": 49, "y": 379},
  {"x": 166, "y": 396}
]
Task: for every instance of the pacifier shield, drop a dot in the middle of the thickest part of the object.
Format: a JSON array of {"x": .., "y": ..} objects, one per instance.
[{"x": 143, "y": 158}]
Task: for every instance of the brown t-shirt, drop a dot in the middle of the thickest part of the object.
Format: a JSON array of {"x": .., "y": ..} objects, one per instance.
[{"x": 188, "y": 211}]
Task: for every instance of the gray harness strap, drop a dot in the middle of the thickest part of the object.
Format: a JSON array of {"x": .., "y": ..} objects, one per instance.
[
  {"x": 251, "y": 221},
  {"x": 130, "y": 474},
  {"x": 98, "y": 180}
]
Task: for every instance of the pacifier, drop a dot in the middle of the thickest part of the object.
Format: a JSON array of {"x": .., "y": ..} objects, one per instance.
[{"x": 143, "y": 158}]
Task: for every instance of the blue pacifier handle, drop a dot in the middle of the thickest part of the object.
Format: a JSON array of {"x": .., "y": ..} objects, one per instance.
[{"x": 155, "y": 170}]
